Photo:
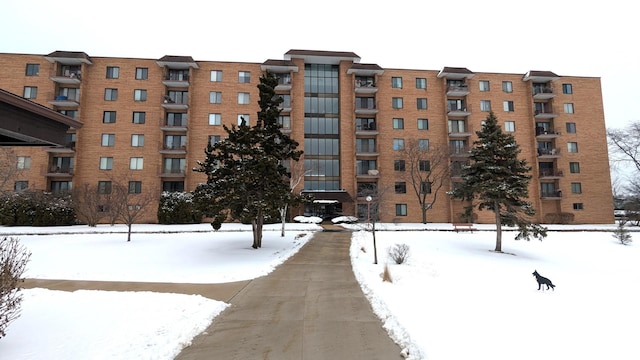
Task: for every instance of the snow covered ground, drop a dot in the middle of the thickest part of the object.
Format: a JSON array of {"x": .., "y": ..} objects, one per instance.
[{"x": 454, "y": 299}]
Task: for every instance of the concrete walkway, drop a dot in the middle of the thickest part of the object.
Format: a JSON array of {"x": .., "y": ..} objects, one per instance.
[{"x": 309, "y": 308}]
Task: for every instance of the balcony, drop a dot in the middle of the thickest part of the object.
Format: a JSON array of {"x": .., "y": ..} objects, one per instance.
[
  {"x": 542, "y": 133},
  {"x": 64, "y": 101},
  {"x": 368, "y": 174},
  {"x": 459, "y": 151},
  {"x": 369, "y": 110},
  {"x": 172, "y": 173},
  {"x": 366, "y": 129},
  {"x": 461, "y": 132},
  {"x": 458, "y": 111},
  {"x": 58, "y": 171},
  {"x": 173, "y": 104},
  {"x": 544, "y": 114},
  {"x": 365, "y": 87},
  {"x": 284, "y": 82},
  {"x": 67, "y": 77},
  {"x": 543, "y": 93},
  {"x": 176, "y": 80},
  {"x": 365, "y": 150},
  {"x": 548, "y": 153},
  {"x": 551, "y": 195},
  {"x": 458, "y": 90},
  {"x": 173, "y": 149},
  {"x": 550, "y": 174}
]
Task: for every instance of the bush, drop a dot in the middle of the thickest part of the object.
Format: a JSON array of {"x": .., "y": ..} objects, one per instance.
[
  {"x": 622, "y": 234},
  {"x": 13, "y": 262},
  {"x": 399, "y": 253},
  {"x": 559, "y": 218},
  {"x": 36, "y": 208},
  {"x": 178, "y": 208}
]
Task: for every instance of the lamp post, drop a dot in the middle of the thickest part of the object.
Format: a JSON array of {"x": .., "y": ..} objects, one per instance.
[{"x": 369, "y": 198}]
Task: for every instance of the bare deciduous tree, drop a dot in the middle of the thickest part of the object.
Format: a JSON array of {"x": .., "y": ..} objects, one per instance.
[
  {"x": 129, "y": 206},
  {"x": 13, "y": 262},
  {"x": 8, "y": 167},
  {"x": 625, "y": 144},
  {"x": 427, "y": 171},
  {"x": 89, "y": 203}
]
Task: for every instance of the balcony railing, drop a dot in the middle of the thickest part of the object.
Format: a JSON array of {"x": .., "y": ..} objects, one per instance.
[
  {"x": 54, "y": 170},
  {"x": 548, "y": 152},
  {"x": 457, "y": 90},
  {"x": 543, "y": 93},
  {"x": 459, "y": 151},
  {"x": 550, "y": 173},
  {"x": 553, "y": 194}
]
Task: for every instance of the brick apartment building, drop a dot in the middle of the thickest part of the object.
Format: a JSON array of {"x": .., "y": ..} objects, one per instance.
[{"x": 149, "y": 120}]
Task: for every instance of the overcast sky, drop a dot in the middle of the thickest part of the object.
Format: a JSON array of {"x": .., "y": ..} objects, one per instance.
[{"x": 567, "y": 37}]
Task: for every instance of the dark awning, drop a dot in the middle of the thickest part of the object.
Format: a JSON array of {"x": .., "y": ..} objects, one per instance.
[{"x": 340, "y": 196}]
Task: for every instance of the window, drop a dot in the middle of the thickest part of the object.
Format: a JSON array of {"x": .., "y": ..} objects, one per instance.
[
  {"x": 20, "y": 185},
  {"x": 423, "y": 144},
  {"x": 424, "y": 165},
  {"x": 135, "y": 187},
  {"x": 507, "y": 86},
  {"x": 567, "y": 89},
  {"x": 139, "y": 117},
  {"x": 285, "y": 121},
  {"x": 175, "y": 142},
  {"x": 398, "y": 165},
  {"x": 174, "y": 165},
  {"x": 421, "y": 83},
  {"x": 214, "y": 139},
  {"x": 568, "y": 108},
  {"x": 422, "y": 103},
  {"x": 106, "y": 163},
  {"x": 571, "y": 128},
  {"x": 246, "y": 118},
  {"x": 576, "y": 188},
  {"x": 32, "y": 70},
  {"x": 108, "y": 139},
  {"x": 484, "y": 85},
  {"x": 137, "y": 140},
  {"x": 173, "y": 186},
  {"x": 140, "y": 95},
  {"x": 215, "y": 97},
  {"x": 216, "y": 75},
  {"x": 30, "y": 92},
  {"x": 113, "y": 72},
  {"x": 110, "y": 94},
  {"x": 109, "y": 117},
  {"x": 574, "y": 167},
  {"x": 215, "y": 119},
  {"x": 508, "y": 105},
  {"x": 398, "y": 144},
  {"x": 425, "y": 187},
  {"x": 70, "y": 113},
  {"x": 423, "y": 124},
  {"x": 398, "y": 123},
  {"x": 365, "y": 103},
  {"x": 243, "y": 98},
  {"x": 572, "y": 147},
  {"x": 509, "y": 126},
  {"x": 136, "y": 163},
  {"x": 104, "y": 187},
  {"x": 401, "y": 209},
  {"x": 142, "y": 73},
  {"x": 578, "y": 206},
  {"x": 24, "y": 162},
  {"x": 401, "y": 188},
  {"x": 244, "y": 77},
  {"x": 396, "y": 82},
  {"x": 396, "y": 102},
  {"x": 485, "y": 105},
  {"x": 177, "y": 97}
]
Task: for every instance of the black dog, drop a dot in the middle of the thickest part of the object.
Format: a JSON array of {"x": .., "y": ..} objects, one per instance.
[{"x": 543, "y": 281}]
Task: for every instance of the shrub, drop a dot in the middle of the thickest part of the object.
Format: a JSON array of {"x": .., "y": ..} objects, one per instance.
[
  {"x": 399, "y": 253},
  {"x": 36, "y": 208},
  {"x": 386, "y": 274},
  {"x": 622, "y": 234},
  {"x": 559, "y": 218},
  {"x": 13, "y": 262},
  {"x": 178, "y": 208}
]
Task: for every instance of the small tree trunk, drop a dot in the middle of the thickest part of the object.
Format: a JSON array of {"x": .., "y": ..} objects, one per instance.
[
  {"x": 498, "y": 227},
  {"x": 129, "y": 232},
  {"x": 375, "y": 248},
  {"x": 424, "y": 215},
  {"x": 283, "y": 214},
  {"x": 256, "y": 226}
]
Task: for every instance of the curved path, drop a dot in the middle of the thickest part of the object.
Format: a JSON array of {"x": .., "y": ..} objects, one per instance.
[{"x": 310, "y": 307}]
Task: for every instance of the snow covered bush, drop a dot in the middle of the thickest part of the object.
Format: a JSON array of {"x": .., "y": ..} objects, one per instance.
[
  {"x": 13, "y": 262},
  {"x": 622, "y": 234},
  {"x": 178, "y": 208}
]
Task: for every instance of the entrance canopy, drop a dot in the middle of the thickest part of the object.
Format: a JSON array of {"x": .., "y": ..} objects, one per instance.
[
  {"x": 338, "y": 196},
  {"x": 26, "y": 123}
]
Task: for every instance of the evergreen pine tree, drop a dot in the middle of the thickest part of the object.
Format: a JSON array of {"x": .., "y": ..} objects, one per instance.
[
  {"x": 497, "y": 180},
  {"x": 246, "y": 176}
]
